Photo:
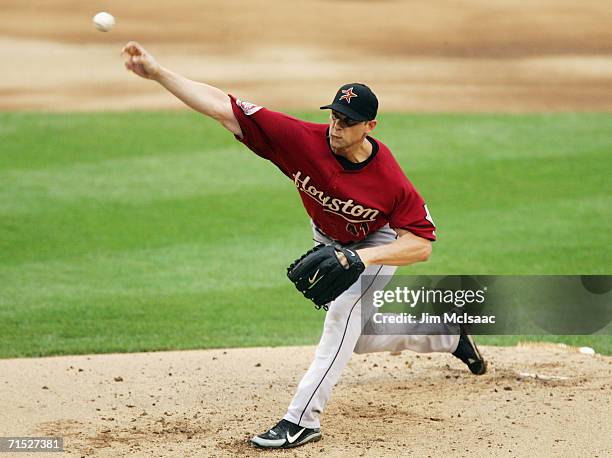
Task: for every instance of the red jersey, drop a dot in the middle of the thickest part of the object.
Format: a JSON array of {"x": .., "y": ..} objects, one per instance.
[{"x": 346, "y": 203}]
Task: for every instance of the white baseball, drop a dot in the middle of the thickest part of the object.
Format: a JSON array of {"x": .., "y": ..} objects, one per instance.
[{"x": 104, "y": 21}]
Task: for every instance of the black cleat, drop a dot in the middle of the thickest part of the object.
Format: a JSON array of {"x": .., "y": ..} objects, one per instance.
[
  {"x": 468, "y": 353},
  {"x": 286, "y": 435}
]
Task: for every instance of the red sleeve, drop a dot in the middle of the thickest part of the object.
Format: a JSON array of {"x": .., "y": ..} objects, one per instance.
[
  {"x": 265, "y": 132},
  {"x": 411, "y": 213}
]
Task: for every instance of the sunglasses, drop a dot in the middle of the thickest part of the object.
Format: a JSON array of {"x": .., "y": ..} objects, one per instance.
[{"x": 343, "y": 121}]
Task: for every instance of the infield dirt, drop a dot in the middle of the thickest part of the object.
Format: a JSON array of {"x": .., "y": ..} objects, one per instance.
[
  {"x": 470, "y": 55},
  {"x": 536, "y": 400}
]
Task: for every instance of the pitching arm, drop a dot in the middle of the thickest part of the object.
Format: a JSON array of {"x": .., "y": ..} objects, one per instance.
[{"x": 201, "y": 97}]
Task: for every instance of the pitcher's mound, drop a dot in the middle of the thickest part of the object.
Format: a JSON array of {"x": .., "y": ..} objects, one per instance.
[{"x": 536, "y": 400}]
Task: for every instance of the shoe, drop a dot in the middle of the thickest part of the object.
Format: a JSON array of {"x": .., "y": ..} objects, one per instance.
[
  {"x": 286, "y": 435},
  {"x": 468, "y": 353}
]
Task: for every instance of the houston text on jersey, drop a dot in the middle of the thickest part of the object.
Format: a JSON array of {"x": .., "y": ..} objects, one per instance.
[{"x": 343, "y": 208}]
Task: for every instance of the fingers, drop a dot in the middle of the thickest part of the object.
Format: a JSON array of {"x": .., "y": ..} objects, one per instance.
[
  {"x": 133, "y": 48},
  {"x": 131, "y": 64},
  {"x": 137, "y": 60},
  {"x": 131, "y": 60}
]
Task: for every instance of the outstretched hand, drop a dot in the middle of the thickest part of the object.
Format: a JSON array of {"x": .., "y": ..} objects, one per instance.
[{"x": 139, "y": 61}]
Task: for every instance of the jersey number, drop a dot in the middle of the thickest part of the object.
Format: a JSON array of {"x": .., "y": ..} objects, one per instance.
[{"x": 354, "y": 230}]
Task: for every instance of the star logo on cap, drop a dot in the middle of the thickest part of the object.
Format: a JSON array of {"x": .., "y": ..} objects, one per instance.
[{"x": 347, "y": 94}]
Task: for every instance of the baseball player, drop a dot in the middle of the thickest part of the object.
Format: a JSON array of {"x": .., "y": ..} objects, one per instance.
[{"x": 360, "y": 203}]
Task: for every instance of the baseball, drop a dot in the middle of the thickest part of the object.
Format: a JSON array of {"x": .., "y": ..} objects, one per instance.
[{"x": 104, "y": 21}]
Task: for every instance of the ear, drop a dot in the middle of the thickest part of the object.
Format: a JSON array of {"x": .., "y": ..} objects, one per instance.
[{"x": 371, "y": 125}]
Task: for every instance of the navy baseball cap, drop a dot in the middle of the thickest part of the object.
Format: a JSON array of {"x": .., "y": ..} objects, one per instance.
[{"x": 355, "y": 100}]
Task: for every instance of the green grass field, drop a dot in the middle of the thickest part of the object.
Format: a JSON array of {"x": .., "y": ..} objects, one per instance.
[{"x": 150, "y": 231}]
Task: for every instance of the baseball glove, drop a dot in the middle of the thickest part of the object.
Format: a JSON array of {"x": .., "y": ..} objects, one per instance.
[{"x": 321, "y": 276}]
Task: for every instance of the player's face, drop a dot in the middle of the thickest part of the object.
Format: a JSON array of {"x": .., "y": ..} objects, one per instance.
[{"x": 345, "y": 132}]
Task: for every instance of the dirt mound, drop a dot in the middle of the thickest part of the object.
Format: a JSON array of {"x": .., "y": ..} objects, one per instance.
[
  {"x": 542, "y": 400},
  {"x": 474, "y": 55}
]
